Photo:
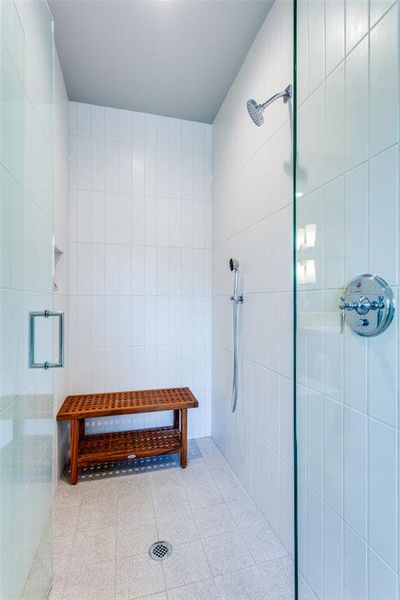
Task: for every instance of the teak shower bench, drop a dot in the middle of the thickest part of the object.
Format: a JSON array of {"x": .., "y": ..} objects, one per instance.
[{"x": 123, "y": 445}]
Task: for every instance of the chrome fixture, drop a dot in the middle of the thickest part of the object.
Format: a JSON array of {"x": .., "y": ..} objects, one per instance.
[
  {"x": 237, "y": 299},
  {"x": 46, "y": 365},
  {"x": 367, "y": 306},
  {"x": 256, "y": 110}
]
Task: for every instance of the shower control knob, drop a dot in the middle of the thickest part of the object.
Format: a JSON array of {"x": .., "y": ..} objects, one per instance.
[{"x": 367, "y": 295}]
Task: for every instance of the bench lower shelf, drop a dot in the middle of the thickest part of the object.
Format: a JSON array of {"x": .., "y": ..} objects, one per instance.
[{"x": 123, "y": 445}]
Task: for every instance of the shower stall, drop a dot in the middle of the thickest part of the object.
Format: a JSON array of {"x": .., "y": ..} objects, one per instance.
[{"x": 298, "y": 368}]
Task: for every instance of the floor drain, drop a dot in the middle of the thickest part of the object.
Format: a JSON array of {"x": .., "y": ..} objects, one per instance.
[{"x": 160, "y": 550}]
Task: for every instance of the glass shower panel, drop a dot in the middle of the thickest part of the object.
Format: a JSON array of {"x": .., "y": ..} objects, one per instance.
[
  {"x": 347, "y": 225},
  {"x": 26, "y": 230}
]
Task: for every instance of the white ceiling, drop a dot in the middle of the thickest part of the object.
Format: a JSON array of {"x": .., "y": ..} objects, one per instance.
[{"x": 170, "y": 57}]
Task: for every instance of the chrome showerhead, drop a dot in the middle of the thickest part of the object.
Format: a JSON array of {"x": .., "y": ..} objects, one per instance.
[{"x": 256, "y": 110}]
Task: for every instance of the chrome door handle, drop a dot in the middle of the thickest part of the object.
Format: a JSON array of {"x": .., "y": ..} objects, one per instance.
[{"x": 46, "y": 314}]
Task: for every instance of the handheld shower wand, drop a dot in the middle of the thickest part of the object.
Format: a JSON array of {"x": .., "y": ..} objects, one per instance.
[{"x": 237, "y": 299}]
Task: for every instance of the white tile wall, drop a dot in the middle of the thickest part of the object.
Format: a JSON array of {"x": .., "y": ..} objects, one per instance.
[
  {"x": 252, "y": 221},
  {"x": 348, "y": 171},
  {"x": 140, "y": 246}
]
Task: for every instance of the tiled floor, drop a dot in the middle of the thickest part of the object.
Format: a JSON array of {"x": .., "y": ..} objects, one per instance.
[{"x": 222, "y": 546}]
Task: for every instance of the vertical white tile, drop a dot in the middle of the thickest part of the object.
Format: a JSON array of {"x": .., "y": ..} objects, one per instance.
[
  {"x": 383, "y": 224},
  {"x": 187, "y": 133},
  {"x": 333, "y": 554},
  {"x": 111, "y": 218},
  {"x": 334, "y": 123},
  {"x": 314, "y": 541},
  {"x": 82, "y": 166},
  {"x": 355, "y": 371},
  {"x": 314, "y": 450},
  {"x": 124, "y": 126},
  {"x": 316, "y": 41},
  {"x": 163, "y": 172},
  {"x": 355, "y": 566},
  {"x": 384, "y": 65},
  {"x": 125, "y": 219},
  {"x": 332, "y": 348},
  {"x": 72, "y": 118},
  {"x": 111, "y": 166},
  {"x": 382, "y": 581},
  {"x": 382, "y": 491},
  {"x": 138, "y": 270},
  {"x": 83, "y": 216},
  {"x": 98, "y": 269},
  {"x": 124, "y": 168},
  {"x": 355, "y": 470},
  {"x": 356, "y": 222},
  {"x": 138, "y": 220},
  {"x": 302, "y": 49},
  {"x": 138, "y": 128},
  {"x": 83, "y": 268},
  {"x": 150, "y": 126},
  {"x": 356, "y": 22},
  {"x": 378, "y": 9},
  {"x": 82, "y": 119},
  {"x": 138, "y": 320},
  {"x": 334, "y": 34},
  {"x": 163, "y": 138},
  {"x": 150, "y": 271},
  {"x": 150, "y": 171},
  {"x": 333, "y": 455},
  {"x": 334, "y": 228},
  {"x": 383, "y": 383},
  {"x": 97, "y": 122},
  {"x": 315, "y": 158},
  {"x": 138, "y": 170},
  {"x": 111, "y": 124},
  {"x": 285, "y": 419},
  {"x": 124, "y": 321},
  {"x": 111, "y": 269},
  {"x": 124, "y": 270},
  {"x": 97, "y": 164},
  {"x": 357, "y": 105}
]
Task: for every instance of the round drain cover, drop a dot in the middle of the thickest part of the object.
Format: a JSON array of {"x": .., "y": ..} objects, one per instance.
[{"x": 160, "y": 550}]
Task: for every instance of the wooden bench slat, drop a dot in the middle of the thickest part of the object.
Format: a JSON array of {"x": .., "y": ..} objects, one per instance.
[
  {"x": 119, "y": 445},
  {"x": 87, "y": 406}
]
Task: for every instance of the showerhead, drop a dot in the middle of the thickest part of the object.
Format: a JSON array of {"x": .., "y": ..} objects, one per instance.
[
  {"x": 256, "y": 110},
  {"x": 234, "y": 264}
]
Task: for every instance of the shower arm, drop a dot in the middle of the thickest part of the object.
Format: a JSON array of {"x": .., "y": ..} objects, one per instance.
[{"x": 286, "y": 94}]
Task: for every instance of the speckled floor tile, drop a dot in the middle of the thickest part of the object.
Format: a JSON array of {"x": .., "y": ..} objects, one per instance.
[
  {"x": 138, "y": 576},
  {"x": 187, "y": 564},
  {"x": 213, "y": 520},
  {"x": 226, "y": 553},
  {"x": 204, "y": 590}
]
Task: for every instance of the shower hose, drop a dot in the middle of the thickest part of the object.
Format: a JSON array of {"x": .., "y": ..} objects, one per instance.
[{"x": 235, "y": 354}]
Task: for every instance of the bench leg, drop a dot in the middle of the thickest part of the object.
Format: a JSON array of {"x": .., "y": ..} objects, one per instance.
[
  {"x": 184, "y": 438},
  {"x": 74, "y": 444},
  {"x": 176, "y": 419}
]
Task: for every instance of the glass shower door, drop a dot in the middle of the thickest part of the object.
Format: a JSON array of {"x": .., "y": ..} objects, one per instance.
[
  {"x": 347, "y": 225},
  {"x": 26, "y": 230}
]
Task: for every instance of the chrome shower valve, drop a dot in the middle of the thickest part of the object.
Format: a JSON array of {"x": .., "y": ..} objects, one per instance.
[{"x": 366, "y": 294}]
